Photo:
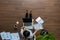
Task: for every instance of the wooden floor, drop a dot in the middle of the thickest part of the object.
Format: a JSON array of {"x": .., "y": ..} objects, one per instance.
[{"x": 13, "y": 10}]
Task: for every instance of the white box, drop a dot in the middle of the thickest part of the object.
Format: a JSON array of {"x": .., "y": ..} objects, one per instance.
[{"x": 39, "y": 20}]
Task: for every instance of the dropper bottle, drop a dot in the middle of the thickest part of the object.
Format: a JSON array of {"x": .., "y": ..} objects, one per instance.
[
  {"x": 26, "y": 16},
  {"x": 30, "y": 15}
]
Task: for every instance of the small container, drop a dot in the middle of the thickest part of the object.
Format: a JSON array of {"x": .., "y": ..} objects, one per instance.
[{"x": 15, "y": 27}]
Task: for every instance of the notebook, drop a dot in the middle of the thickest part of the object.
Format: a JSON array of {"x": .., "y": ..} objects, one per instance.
[
  {"x": 15, "y": 36},
  {"x": 5, "y": 35},
  {"x": 10, "y": 36}
]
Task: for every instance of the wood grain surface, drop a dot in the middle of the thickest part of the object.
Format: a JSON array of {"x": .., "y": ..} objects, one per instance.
[{"x": 13, "y": 10}]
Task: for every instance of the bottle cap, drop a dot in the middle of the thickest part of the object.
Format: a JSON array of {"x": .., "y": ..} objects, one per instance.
[
  {"x": 26, "y": 11},
  {"x": 31, "y": 11}
]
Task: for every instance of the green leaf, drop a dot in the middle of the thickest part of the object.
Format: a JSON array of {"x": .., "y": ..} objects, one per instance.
[{"x": 45, "y": 37}]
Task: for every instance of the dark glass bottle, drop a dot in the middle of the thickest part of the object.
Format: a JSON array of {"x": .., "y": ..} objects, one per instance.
[
  {"x": 30, "y": 15},
  {"x": 26, "y": 16}
]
